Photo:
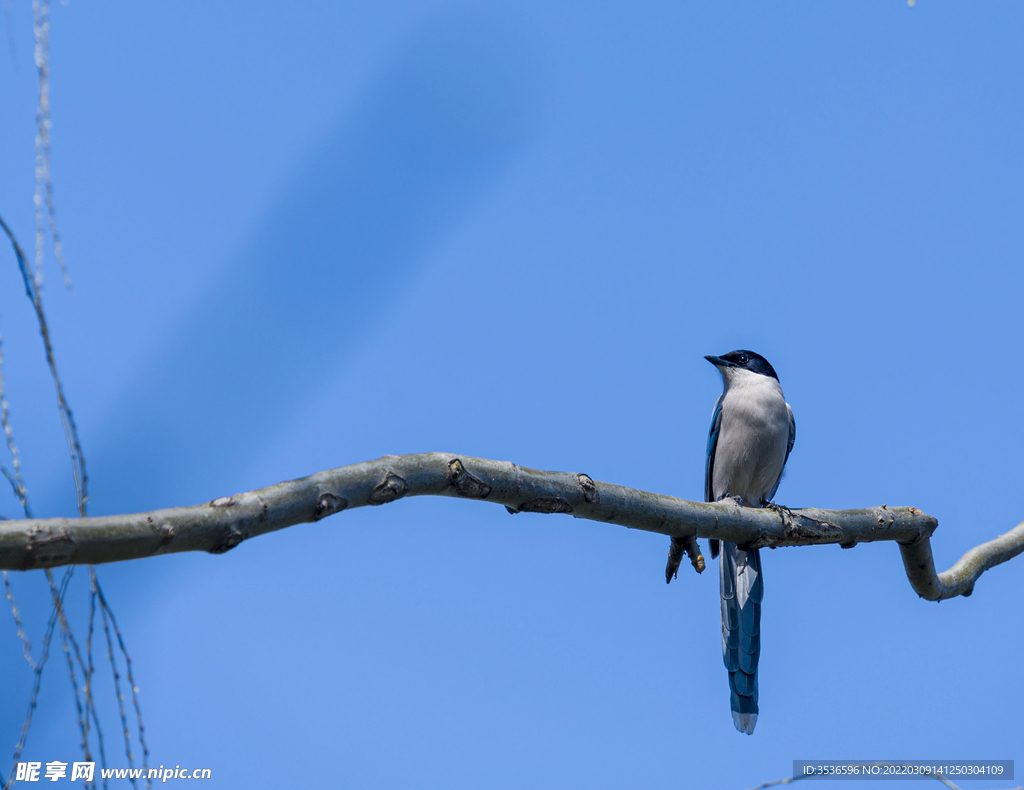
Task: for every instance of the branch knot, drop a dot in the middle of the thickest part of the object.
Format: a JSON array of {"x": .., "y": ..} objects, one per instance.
[
  {"x": 464, "y": 483},
  {"x": 391, "y": 488},
  {"x": 328, "y": 504}
]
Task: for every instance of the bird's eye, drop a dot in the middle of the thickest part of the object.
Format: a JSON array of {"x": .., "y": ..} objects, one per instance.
[{"x": 743, "y": 359}]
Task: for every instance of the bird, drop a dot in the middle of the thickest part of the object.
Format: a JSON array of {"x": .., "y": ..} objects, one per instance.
[{"x": 751, "y": 436}]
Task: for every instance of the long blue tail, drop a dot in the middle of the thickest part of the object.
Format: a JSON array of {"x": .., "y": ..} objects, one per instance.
[{"x": 742, "y": 586}]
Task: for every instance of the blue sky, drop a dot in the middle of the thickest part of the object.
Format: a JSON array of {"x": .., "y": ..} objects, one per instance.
[{"x": 512, "y": 230}]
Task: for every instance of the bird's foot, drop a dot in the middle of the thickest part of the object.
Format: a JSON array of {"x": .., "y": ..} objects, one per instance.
[
  {"x": 675, "y": 556},
  {"x": 784, "y": 512}
]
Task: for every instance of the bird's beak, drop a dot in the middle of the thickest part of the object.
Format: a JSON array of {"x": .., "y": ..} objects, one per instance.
[{"x": 718, "y": 362}]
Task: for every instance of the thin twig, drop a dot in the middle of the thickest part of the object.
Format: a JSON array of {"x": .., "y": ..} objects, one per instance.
[
  {"x": 67, "y": 638},
  {"x": 46, "y": 212},
  {"x": 38, "y": 679},
  {"x": 18, "y": 485},
  {"x": 89, "y": 676},
  {"x": 67, "y": 419},
  {"x": 131, "y": 678},
  {"x": 14, "y": 477},
  {"x": 120, "y": 697},
  {"x": 32, "y": 289},
  {"x": 83, "y": 716},
  {"x": 27, "y": 645}
]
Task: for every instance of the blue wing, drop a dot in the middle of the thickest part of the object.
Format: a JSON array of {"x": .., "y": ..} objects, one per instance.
[
  {"x": 709, "y": 466},
  {"x": 789, "y": 449},
  {"x": 716, "y": 425}
]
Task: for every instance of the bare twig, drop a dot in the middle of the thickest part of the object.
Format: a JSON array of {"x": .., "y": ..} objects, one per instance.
[
  {"x": 107, "y": 612},
  {"x": 222, "y": 524},
  {"x": 67, "y": 639},
  {"x": 15, "y": 478},
  {"x": 19, "y": 626},
  {"x": 18, "y": 485},
  {"x": 88, "y": 712},
  {"x": 46, "y": 211},
  {"x": 46, "y": 215},
  {"x": 125, "y": 731},
  {"x": 38, "y": 679},
  {"x": 90, "y": 674},
  {"x": 67, "y": 419}
]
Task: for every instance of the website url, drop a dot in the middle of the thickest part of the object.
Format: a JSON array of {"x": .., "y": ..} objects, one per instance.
[
  {"x": 161, "y": 773},
  {"x": 56, "y": 769}
]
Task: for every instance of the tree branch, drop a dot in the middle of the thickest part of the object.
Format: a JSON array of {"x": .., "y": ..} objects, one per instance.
[
  {"x": 222, "y": 524},
  {"x": 960, "y": 579}
]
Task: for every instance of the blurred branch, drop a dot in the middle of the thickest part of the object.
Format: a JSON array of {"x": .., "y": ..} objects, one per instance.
[
  {"x": 43, "y": 198},
  {"x": 222, "y": 524}
]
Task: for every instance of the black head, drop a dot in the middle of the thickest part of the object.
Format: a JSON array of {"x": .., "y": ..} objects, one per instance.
[{"x": 748, "y": 360}]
